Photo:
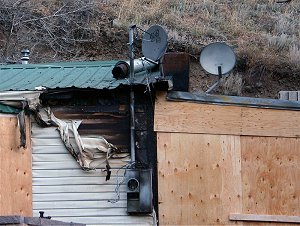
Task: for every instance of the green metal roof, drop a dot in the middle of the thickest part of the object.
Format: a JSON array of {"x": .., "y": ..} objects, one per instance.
[{"x": 96, "y": 75}]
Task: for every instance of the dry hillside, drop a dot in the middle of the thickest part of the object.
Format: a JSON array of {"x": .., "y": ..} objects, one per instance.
[{"x": 265, "y": 34}]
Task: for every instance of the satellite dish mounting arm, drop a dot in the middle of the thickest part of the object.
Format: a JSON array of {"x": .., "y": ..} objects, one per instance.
[{"x": 217, "y": 83}]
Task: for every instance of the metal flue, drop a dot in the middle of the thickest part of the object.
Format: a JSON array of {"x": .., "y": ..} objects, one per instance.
[
  {"x": 25, "y": 56},
  {"x": 122, "y": 68}
]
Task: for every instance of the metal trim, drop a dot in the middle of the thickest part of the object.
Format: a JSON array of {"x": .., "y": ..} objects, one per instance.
[{"x": 234, "y": 101}]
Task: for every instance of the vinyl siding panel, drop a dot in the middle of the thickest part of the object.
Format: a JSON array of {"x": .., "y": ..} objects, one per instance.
[{"x": 67, "y": 193}]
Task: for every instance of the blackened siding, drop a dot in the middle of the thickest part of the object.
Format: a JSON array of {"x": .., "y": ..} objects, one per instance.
[{"x": 106, "y": 113}]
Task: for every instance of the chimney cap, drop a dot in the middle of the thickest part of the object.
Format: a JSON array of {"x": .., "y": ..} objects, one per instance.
[
  {"x": 25, "y": 56},
  {"x": 24, "y": 51}
]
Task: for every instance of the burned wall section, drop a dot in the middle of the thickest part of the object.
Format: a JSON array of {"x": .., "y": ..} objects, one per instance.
[
  {"x": 145, "y": 135},
  {"x": 104, "y": 113},
  {"x": 107, "y": 113}
]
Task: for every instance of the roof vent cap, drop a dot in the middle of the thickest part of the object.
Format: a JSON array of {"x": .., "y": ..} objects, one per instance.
[{"x": 25, "y": 56}]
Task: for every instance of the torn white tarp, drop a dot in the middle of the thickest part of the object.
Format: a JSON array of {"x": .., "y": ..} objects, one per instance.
[{"x": 89, "y": 151}]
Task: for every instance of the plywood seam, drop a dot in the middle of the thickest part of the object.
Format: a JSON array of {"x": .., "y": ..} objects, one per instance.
[{"x": 186, "y": 117}]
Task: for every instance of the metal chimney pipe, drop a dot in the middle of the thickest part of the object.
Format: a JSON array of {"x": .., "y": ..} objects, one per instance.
[
  {"x": 25, "y": 56},
  {"x": 122, "y": 68}
]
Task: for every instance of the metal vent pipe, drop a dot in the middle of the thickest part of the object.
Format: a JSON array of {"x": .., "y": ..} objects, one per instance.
[
  {"x": 122, "y": 68},
  {"x": 25, "y": 56}
]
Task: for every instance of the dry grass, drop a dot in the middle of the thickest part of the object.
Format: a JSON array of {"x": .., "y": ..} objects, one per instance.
[
  {"x": 294, "y": 55},
  {"x": 233, "y": 85},
  {"x": 264, "y": 33}
]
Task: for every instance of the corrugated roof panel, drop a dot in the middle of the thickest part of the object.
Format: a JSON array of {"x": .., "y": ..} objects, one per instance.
[
  {"x": 11, "y": 74},
  {"x": 97, "y": 75},
  {"x": 9, "y": 77},
  {"x": 31, "y": 78},
  {"x": 98, "y": 78},
  {"x": 88, "y": 77},
  {"x": 72, "y": 74}
]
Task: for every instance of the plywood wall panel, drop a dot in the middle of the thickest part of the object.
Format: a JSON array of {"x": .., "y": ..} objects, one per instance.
[
  {"x": 15, "y": 169},
  {"x": 199, "y": 178},
  {"x": 271, "y": 175},
  {"x": 217, "y": 160},
  {"x": 185, "y": 117},
  {"x": 270, "y": 122}
]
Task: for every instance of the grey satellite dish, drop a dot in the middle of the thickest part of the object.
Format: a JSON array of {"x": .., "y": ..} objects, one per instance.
[
  {"x": 217, "y": 59},
  {"x": 154, "y": 43}
]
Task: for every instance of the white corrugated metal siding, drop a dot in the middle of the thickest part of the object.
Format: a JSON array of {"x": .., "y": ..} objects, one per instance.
[
  {"x": 67, "y": 193},
  {"x": 289, "y": 95}
]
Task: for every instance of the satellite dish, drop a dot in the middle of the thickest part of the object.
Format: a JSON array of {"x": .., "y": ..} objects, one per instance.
[
  {"x": 217, "y": 58},
  {"x": 154, "y": 43}
]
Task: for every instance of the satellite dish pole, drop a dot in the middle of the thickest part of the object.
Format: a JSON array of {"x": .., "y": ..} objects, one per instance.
[{"x": 131, "y": 80}]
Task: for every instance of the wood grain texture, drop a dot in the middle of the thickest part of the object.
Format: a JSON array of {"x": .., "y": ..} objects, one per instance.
[
  {"x": 15, "y": 169},
  {"x": 184, "y": 117},
  {"x": 195, "y": 118},
  {"x": 271, "y": 175},
  {"x": 199, "y": 178},
  {"x": 270, "y": 122}
]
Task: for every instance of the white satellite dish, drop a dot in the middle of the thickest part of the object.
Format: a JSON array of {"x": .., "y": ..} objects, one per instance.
[
  {"x": 154, "y": 43},
  {"x": 217, "y": 58}
]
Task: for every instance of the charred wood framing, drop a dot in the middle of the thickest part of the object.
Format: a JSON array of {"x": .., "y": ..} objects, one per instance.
[{"x": 107, "y": 113}]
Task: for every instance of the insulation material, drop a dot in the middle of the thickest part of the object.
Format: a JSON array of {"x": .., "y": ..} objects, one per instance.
[
  {"x": 22, "y": 127},
  {"x": 89, "y": 151}
]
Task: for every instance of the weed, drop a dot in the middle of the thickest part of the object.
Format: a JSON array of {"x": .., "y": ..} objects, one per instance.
[
  {"x": 281, "y": 42},
  {"x": 265, "y": 33},
  {"x": 294, "y": 55},
  {"x": 233, "y": 84}
]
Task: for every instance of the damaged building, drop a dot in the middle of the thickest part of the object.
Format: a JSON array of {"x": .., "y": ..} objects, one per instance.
[
  {"x": 68, "y": 125},
  {"x": 66, "y": 143}
]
